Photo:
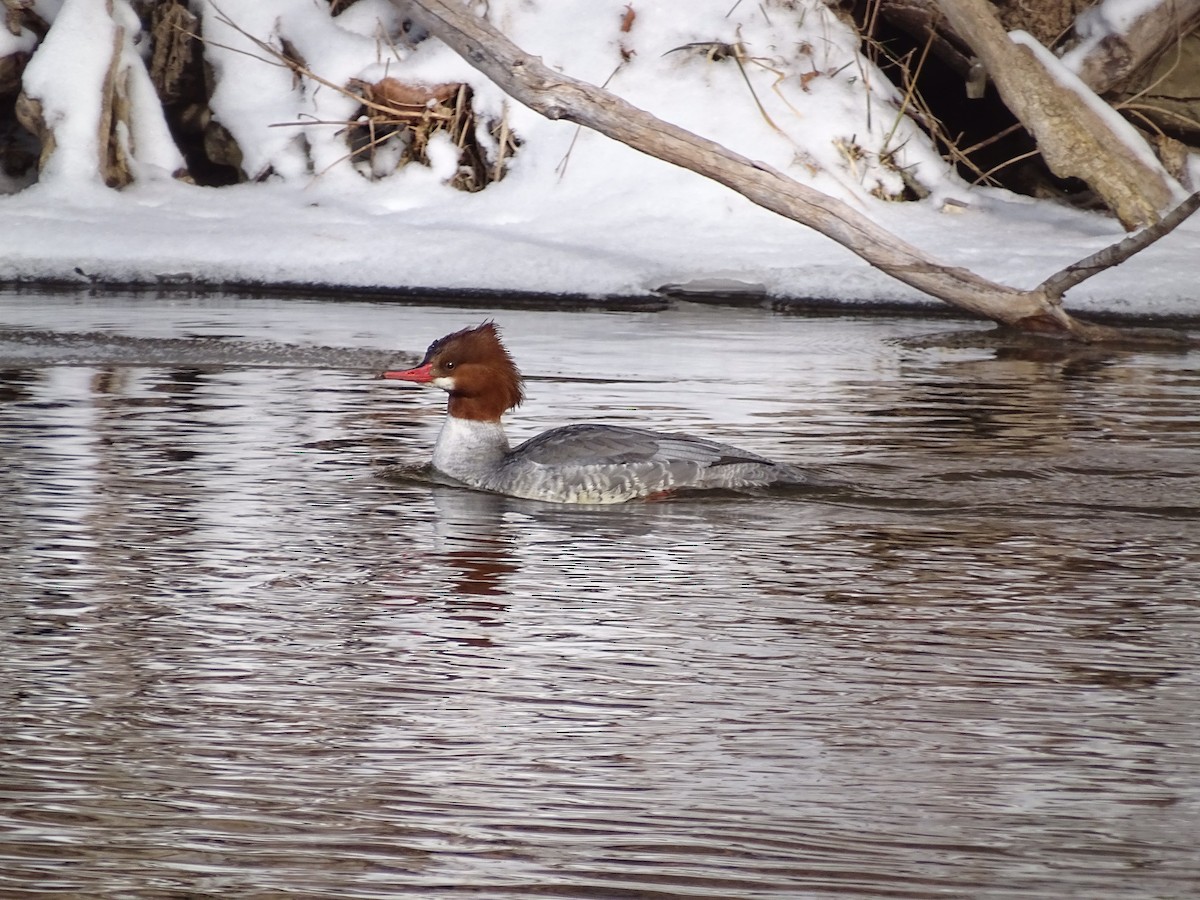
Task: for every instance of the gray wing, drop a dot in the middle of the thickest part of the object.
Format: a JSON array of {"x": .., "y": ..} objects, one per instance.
[
  {"x": 612, "y": 463},
  {"x": 601, "y": 445}
]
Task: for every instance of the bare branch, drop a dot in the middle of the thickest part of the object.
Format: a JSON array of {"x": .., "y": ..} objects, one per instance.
[
  {"x": 1061, "y": 282},
  {"x": 559, "y": 96}
]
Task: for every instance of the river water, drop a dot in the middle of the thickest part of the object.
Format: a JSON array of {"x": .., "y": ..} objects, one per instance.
[{"x": 244, "y": 655}]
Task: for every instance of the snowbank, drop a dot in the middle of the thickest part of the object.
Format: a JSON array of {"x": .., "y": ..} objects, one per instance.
[{"x": 577, "y": 214}]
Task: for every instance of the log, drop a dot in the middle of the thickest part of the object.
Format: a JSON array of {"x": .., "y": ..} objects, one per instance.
[
  {"x": 1107, "y": 64},
  {"x": 1074, "y": 140},
  {"x": 559, "y": 96}
]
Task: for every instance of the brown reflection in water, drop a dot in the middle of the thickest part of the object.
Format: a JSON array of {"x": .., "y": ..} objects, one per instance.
[
  {"x": 1023, "y": 404},
  {"x": 838, "y": 692},
  {"x": 482, "y": 571},
  {"x": 137, "y": 467},
  {"x": 473, "y": 539},
  {"x": 1027, "y": 399},
  {"x": 14, "y": 385}
]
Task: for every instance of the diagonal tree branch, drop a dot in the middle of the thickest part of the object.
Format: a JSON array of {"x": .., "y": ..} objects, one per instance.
[
  {"x": 559, "y": 96},
  {"x": 1061, "y": 282}
]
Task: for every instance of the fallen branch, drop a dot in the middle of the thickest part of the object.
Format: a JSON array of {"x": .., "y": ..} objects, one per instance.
[
  {"x": 1061, "y": 282},
  {"x": 558, "y": 96},
  {"x": 1072, "y": 137},
  {"x": 1109, "y": 62}
]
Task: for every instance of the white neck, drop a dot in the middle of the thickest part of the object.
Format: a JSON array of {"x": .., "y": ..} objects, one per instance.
[{"x": 468, "y": 449}]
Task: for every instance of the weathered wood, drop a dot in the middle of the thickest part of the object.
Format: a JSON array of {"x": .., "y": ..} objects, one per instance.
[
  {"x": 1156, "y": 29},
  {"x": 114, "y": 117},
  {"x": 1061, "y": 282},
  {"x": 558, "y": 96},
  {"x": 1073, "y": 139}
]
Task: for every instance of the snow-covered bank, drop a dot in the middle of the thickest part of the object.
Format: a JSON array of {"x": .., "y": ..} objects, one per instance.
[
  {"x": 577, "y": 214},
  {"x": 265, "y": 234}
]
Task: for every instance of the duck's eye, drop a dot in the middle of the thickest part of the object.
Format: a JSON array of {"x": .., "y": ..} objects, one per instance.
[{"x": 449, "y": 365}]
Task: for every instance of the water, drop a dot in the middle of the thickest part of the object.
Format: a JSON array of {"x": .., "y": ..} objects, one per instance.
[{"x": 240, "y": 658}]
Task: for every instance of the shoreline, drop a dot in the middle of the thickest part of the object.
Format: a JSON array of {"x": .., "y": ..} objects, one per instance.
[{"x": 475, "y": 298}]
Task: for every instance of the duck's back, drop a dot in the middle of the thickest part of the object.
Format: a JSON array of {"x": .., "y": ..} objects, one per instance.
[{"x": 592, "y": 463}]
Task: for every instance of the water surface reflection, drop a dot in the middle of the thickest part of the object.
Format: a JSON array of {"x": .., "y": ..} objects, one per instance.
[{"x": 240, "y": 658}]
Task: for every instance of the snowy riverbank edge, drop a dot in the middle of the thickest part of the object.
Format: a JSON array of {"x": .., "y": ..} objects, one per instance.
[
  {"x": 484, "y": 300},
  {"x": 692, "y": 240},
  {"x": 577, "y": 218}
]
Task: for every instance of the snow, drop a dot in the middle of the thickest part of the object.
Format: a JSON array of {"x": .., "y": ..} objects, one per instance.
[
  {"x": 1116, "y": 124},
  {"x": 65, "y": 76},
  {"x": 577, "y": 214},
  {"x": 1107, "y": 19},
  {"x": 75, "y": 52},
  {"x": 22, "y": 42}
]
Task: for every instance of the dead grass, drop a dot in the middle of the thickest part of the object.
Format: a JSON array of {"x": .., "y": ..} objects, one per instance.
[{"x": 396, "y": 120}]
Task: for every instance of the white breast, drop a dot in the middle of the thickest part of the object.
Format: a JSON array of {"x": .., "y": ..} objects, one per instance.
[{"x": 469, "y": 450}]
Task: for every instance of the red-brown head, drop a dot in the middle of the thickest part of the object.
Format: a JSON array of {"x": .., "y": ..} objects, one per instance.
[{"x": 474, "y": 367}]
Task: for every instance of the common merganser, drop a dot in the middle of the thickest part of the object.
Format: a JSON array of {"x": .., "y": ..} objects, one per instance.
[{"x": 573, "y": 464}]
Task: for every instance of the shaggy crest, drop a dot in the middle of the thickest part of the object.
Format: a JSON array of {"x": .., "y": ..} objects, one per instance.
[{"x": 486, "y": 380}]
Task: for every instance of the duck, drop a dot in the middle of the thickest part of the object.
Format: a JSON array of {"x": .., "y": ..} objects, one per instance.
[{"x": 584, "y": 463}]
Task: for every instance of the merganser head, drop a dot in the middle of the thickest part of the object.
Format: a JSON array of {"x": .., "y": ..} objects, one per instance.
[{"x": 474, "y": 368}]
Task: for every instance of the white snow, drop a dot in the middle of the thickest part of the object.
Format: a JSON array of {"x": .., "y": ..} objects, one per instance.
[
  {"x": 1116, "y": 124},
  {"x": 1108, "y": 18},
  {"x": 22, "y": 42},
  {"x": 65, "y": 76},
  {"x": 577, "y": 213},
  {"x": 75, "y": 52}
]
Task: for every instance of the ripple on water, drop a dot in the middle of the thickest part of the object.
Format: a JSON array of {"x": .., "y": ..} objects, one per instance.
[{"x": 239, "y": 660}]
